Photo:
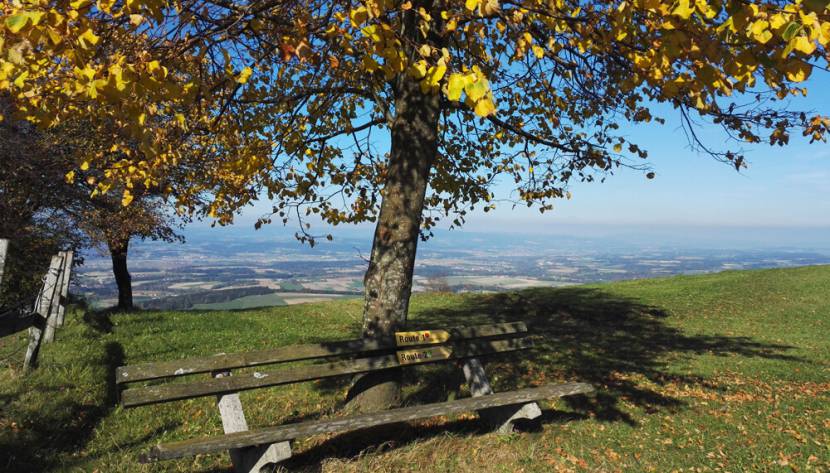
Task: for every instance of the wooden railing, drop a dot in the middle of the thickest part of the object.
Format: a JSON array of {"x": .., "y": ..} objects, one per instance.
[{"x": 49, "y": 308}]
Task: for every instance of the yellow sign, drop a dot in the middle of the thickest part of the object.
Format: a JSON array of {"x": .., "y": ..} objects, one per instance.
[
  {"x": 422, "y": 337},
  {"x": 408, "y": 357}
]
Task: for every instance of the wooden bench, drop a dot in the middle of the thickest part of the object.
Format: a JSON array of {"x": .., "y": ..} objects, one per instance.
[{"x": 253, "y": 449}]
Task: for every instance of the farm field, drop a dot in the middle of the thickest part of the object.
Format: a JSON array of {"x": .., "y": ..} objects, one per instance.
[
  {"x": 710, "y": 373},
  {"x": 267, "y": 300}
]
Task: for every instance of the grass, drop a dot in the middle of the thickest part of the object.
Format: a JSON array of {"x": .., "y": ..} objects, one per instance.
[
  {"x": 247, "y": 302},
  {"x": 724, "y": 372}
]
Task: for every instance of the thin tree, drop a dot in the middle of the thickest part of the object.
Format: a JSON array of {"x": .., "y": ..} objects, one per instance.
[{"x": 113, "y": 226}]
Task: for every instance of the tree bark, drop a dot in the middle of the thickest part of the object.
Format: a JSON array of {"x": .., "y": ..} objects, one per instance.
[
  {"x": 118, "y": 252},
  {"x": 388, "y": 280}
]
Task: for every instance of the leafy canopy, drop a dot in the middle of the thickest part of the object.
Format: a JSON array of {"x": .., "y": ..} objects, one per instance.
[{"x": 216, "y": 101}]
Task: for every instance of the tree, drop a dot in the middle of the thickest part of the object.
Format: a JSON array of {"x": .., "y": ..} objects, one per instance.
[
  {"x": 113, "y": 226},
  {"x": 286, "y": 98},
  {"x": 42, "y": 213},
  {"x": 34, "y": 208}
]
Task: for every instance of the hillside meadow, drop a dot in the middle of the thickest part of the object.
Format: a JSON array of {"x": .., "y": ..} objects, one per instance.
[{"x": 713, "y": 373}]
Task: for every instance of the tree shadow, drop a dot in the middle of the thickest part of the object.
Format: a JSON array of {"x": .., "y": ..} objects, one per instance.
[
  {"x": 589, "y": 335},
  {"x": 581, "y": 334},
  {"x": 63, "y": 425}
]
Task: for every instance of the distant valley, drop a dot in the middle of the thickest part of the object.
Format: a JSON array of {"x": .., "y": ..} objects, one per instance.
[{"x": 225, "y": 271}]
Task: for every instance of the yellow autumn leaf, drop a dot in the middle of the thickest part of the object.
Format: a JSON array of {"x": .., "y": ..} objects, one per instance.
[
  {"x": 21, "y": 79},
  {"x": 485, "y": 107},
  {"x": 684, "y": 9},
  {"x": 127, "y": 198},
  {"x": 471, "y": 5},
  {"x": 777, "y": 21},
  {"x": 760, "y": 31},
  {"x": 35, "y": 17},
  {"x": 435, "y": 74},
  {"x": 17, "y": 22},
  {"x": 455, "y": 85},
  {"x": 105, "y": 5},
  {"x": 244, "y": 75},
  {"x": 85, "y": 166},
  {"x": 477, "y": 89},
  {"x": 618, "y": 148},
  {"x": 798, "y": 71},
  {"x": 803, "y": 44},
  {"x": 704, "y": 7},
  {"x": 54, "y": 36},
  {"x": 418, "y": 69},
  {"x": 88, "y": 39},
  {"x": 358, "y": 16}
]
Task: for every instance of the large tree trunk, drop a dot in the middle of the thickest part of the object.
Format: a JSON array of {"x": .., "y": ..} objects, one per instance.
[
  {"x": 118, "y": 252},
  {"x": 388, "y": 281}
]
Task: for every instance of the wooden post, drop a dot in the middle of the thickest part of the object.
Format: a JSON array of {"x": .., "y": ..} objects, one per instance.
[
  {"x": 42, "y": 310},
  {"x": 500, "y": 418},
  {"x": 67, "y": 274},
  {"x": 248, "y": 459},
  {"x": 54, "y": 302},
  {"x": 4, "y": 249}
]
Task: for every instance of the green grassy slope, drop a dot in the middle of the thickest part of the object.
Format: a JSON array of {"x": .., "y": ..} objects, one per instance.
[{"x": 724, "y": 372}]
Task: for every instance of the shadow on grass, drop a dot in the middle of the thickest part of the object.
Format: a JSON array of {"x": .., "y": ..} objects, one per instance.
[
  {"x": 589, "y": 335},
  {"x": 580, "y": 334},
  {"x": 60, "y": 423}
]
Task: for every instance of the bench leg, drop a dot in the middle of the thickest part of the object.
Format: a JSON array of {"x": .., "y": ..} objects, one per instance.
[
  {"x": 500, "y": 418},
  {"x": 254, "y": 459},
  {"x": 250, "y": 459}
]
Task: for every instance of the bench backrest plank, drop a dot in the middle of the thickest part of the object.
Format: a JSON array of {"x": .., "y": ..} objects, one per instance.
[
  {"x": 224, "y": 362},
  {"x": 177, "y": 391}
]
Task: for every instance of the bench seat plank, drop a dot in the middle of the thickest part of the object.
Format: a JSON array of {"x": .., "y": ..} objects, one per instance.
[
  {"x": 224, "y": 362},
  {"x": 306, "y": 429},
  {"x": 177, "y": 391}
]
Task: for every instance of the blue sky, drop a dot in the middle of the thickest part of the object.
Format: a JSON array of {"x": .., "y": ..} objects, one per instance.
[{"x": 783, "y": 188}]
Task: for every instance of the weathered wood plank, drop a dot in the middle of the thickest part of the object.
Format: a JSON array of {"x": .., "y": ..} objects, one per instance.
[
  {"x": 362, "y": 421},
  {"x": 148, "y": 371},
  {"x": 173, "y": 392},
  {"x": 54, "y": 304},
  {"x": 42, "y": 308},
  {"x": 67, "y": 275}
]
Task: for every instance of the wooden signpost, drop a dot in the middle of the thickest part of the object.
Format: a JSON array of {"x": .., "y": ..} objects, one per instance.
[
  {"x": 424, "y": 355},
  {"x": 421, "y": 337}
]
